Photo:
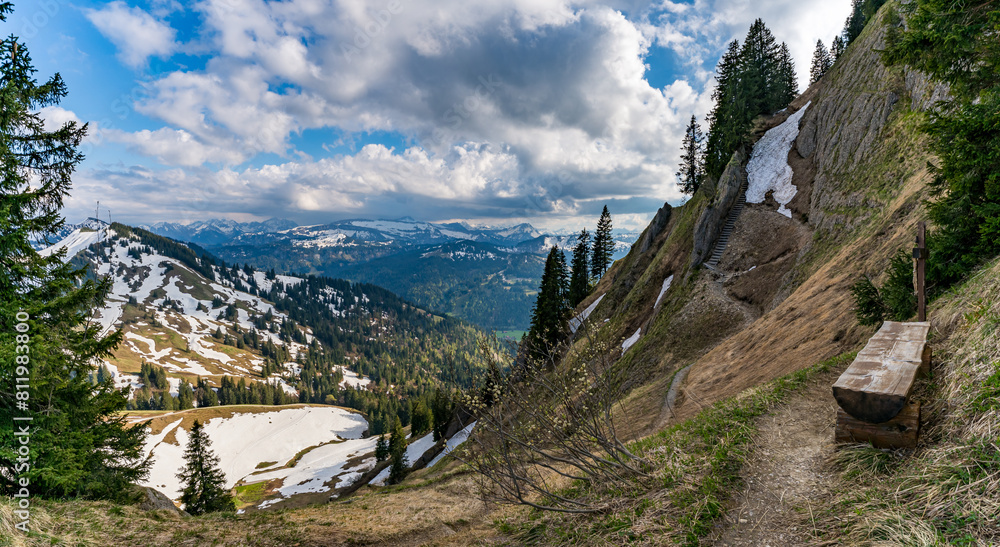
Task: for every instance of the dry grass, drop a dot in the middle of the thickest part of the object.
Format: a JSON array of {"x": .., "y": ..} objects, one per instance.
[{"x": 441, "y": 512}]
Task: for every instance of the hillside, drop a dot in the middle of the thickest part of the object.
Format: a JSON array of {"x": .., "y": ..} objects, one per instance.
[{"x": 228, "y": 335}]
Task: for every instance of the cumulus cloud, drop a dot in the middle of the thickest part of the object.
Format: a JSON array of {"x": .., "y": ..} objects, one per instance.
[
  {"x": 137, "y": 34},
  {"x": 514, "y": 108}
]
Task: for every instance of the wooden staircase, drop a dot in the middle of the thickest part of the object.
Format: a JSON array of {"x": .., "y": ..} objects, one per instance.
[{"x": 727, "y": 229}]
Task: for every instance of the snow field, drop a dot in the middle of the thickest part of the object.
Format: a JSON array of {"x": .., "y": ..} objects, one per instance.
[
  {"x": 454, "y": 442},
  {"x": 768, "y": 169},
  {"x": 245, "y": 440}
]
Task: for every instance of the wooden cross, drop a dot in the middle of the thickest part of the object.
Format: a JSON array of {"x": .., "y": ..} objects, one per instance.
[{"x": 920, "y": 258}]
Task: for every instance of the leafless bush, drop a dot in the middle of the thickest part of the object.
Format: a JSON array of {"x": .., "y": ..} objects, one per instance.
[{"x": 542, "y": 428}]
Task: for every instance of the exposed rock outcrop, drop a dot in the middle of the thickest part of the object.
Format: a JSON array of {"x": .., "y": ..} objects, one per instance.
[
  {"x": 656, "y": 226},
  {"x": 724, "y": 195},
  {"x": 154, "y": 500}
]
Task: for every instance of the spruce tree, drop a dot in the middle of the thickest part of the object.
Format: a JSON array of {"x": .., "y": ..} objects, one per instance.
[
  {"x": 821, "y": 62},
  {"x": 692, "y": 158},
  {"x": 80, "y": 443},
  {"x": 759, "y": 63},
  {"x": 550, "y": 313},
  {"x": 579, "y": 282},
  {"x": 397, "y": 451},
  {"x": 604, "y": 245},
  {"x": 381, "y": 448},
  {"x": 204, "y": 483},
  {"x": 837, "y": 48},
  {"x": 724, "y": 135},
  {"x": 788, "y": 87}
]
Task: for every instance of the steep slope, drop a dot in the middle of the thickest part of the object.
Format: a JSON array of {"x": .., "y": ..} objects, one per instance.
[{"x": 833, "y": 199}]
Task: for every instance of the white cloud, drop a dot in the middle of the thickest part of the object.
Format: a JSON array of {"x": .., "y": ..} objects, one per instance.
[
  {"x": 516, "y": 108},
  {"x": 137, "y": 34},
  {"x": 175, "y": 147},
  {"x": 54, "y": 117}
]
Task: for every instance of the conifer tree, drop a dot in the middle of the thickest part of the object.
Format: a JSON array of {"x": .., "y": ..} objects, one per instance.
[
  {"x": 724, "y": 133},
  {"x": 604, "y": 245},
  {"x": 759, "y": 63},
  {"x": 821, "y": 62},
  {"x": 442, "y": 408},
  {"x": 753, "y": 79},
  {"x": 80, "y": 443},
  {"x": 204, "y": 483},
  {"x": 421, "y": 418},
  {"x": 397, "y": 451},
  {"x": 579, "y": 283},
  {"x": 837, "y": 48},
  {"x": 549, "y": 315},
  {"x": 381, "y": 448},
  {"x": 692, "y": 158},
  {"x": 788, "y": 86}
]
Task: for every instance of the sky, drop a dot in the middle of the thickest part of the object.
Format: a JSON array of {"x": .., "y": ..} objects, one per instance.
[{"x": 486, "y": 111}]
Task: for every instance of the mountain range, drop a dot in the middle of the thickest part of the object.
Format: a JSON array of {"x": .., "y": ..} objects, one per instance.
[{"x": 487, "y": 275}]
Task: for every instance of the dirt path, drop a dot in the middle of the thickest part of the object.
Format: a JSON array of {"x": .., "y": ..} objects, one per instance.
[{"x": 786, "y": 475}]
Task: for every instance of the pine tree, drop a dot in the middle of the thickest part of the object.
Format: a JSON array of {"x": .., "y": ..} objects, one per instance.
[
  {"x": 80, "y": 443},
  {"x": 604, "y": 245},
  {"x": 788, "y": 87},
  {"x": 204, "y": 483},
  {"x": 724, "y": 134},
  {"x": 821, "y": 62},
  {"x": 692, "y": 158},
  {"x": 837, "y": 48},
  {"x": 579, "y": 283},
  {"x": 381, "y": 448},
  {"x": 443, "y": 409},
  {"x": 397, "y": 451},
  {"x": 549, "y": 315}
]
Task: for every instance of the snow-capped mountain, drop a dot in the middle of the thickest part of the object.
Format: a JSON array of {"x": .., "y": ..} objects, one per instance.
[
  {"x": 217, "y": 231},
  {"x": 275, "y": 339},
  {"x": 89, "y": 225}
]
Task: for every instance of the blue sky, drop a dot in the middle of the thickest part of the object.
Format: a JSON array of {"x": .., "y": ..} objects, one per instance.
[{"x": 493, "y": 111}]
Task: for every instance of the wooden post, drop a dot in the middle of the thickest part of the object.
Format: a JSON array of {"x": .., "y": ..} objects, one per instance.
[{"x": 920, "y": 256}]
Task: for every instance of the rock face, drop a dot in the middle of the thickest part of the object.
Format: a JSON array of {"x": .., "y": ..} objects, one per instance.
[
  {"x": 842, "y": 131},
  {"x": 154, "y": 500},
  {"x": 711, "y": 221},
  {"x": 656, "y": 226}
]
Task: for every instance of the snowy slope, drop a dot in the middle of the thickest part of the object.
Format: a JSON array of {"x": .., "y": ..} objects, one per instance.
[{"x": 247, "y": 439}]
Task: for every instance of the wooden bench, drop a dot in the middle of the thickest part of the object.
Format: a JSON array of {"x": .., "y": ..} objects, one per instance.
[{"x": 873, "y": 392}]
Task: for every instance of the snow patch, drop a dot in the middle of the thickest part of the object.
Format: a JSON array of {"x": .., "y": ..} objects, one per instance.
[
  {"x": 631, "y": 340},
  {"x": 454, "y": 442},
  {"x": 245, "y": 440},
  {"x": 414, "y": 451},
  {"x": 768, "y": 169},
  {"x": 663, "y": 290},
  {"x": 575, "y": 322}
]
